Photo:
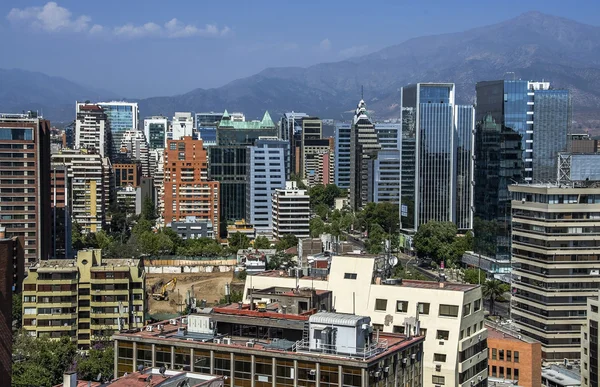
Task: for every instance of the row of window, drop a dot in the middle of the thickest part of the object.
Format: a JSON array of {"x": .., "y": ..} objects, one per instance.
[
  {"x": 499, "y": 354},
  {"x": 402, "y": 307},
  {"x": 511, "y": 373}
]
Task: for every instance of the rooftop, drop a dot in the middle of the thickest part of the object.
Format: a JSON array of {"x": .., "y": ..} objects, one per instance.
[
  {"x": 227, "y": 123},
  {"x": 506, "y": 332},
  {"x": 169, "y": 379},
  {"x": 561, "y": 376}
]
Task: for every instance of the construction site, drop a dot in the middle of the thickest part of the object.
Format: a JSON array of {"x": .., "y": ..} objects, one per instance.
[{"x": 169, "y": 294}]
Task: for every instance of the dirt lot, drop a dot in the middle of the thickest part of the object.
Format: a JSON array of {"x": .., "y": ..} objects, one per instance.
[{"x": 207, "y": 286}]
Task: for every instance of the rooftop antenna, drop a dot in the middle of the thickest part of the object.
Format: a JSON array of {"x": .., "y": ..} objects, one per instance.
[{"x": 362, "y": 92}]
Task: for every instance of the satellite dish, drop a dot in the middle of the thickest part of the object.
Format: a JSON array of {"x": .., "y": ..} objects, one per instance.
[{"x": 393, "y": 261}]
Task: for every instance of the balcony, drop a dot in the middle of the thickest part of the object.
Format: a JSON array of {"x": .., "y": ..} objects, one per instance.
[{"x": 474, "y": 338}]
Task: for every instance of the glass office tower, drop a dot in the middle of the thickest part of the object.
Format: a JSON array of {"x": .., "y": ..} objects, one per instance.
[
  {"x": 122, "y": 116},
  {"x": 436, "y": 146}
]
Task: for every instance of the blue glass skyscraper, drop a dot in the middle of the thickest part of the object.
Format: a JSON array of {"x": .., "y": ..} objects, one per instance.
[{"x": 122, "y": 116}]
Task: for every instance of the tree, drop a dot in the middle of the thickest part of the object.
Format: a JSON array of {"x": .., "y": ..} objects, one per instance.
[
  {"x": 434, "y": 240},
  {"x": 238, "y": 241},
  {"x": 151, "y": 243},
  {"x": 375, "y": 239},
  {"x": 77, "y": 236},
  {"x": 234, "y": 297},
  {"x": 148, "y": 210},
  {"x": 320, "y": 194},
  {"x": 281, "y": 261},
  {"x": 262, "y": 242},
  {"x": 141, "y": 227},
  {"x": 288, "y": 240},
  {"x": 384, "y": 214},
  {"x": 316, "y": 227},
  {"x": 98, "y": 361},
  {"x": 17, "y": 311},
  {"x": 174, "y": 237},
  {"x": 322, "y": 210},
  {"x": 200, "y": 247},
  {"x": 474, "y": 276},
  {"x": 493, "y": 290}
]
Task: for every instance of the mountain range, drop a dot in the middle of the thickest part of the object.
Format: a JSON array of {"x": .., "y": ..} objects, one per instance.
[{"x": 532, "y": 46}]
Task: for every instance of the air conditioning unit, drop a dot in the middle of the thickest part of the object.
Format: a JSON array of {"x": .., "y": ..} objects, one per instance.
[
  {"x": 227, "y": 340},
  {"x": 386, "y": 369},
  {"x": 312, "y": 372},
  {"x": 250, "y": 344},
  {"x": 404, "y": 361},
  {"x": 189, "y": 339},
  {"x": 479, "y": 337},
  {"x": 480, "y": 378},
  {"x": 173, "y": 321},
  {"x": 184, "y": 320},
  {"x": 438, "y": 368},
  {"x": 217, "y": 341},
  {"x": 377, "y": 374},
  {"x": 161, "y": 327},
  {"x": 413, "y": 356},
  {"x": 149, "y": 328}
]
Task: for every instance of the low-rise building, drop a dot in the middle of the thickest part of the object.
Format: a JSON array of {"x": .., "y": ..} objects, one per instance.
[
  {"x": 87, "y": 298},
  {"x": 193, "y": 228},
  {"x": 557, "y": 376},
  {"x": 590, "y": 362},
  {"x": 263, "y": 348},
  {"x": 291, "y": 211},
  {"x": 255, "y": 260},
  {"x": 449, "y": 315},
  {"x": 512, "y": 357},
  {"x": 242, "y": 227}
]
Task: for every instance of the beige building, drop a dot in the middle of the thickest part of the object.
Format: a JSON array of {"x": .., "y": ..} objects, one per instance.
[
  {"x": 590, "y": 362},
  {"x": 291, "y": 211},
  {"x": 555, "y": 264},
  {"x": 450, "y": 315},
  {"x": 87, "y": 298}
]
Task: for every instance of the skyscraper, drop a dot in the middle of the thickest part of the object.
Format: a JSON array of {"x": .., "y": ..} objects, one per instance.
[
  {"x": 228, "y": 160},
  {"x": 134, "y": 147},
  {"x": 291, "y": 211},
  {"x": 364, "y": 146},
  {"x": 187, "y": 189},
  {"x": 155, "y": 130},
  {"x": 342, "y": 154},
  {"x": 182, "y": 125},
  {"x": 206, "y": 127},
  {"x": 442, "y": 136},
  {"x": 266, "y": 164},
  {"x": 521, "y": 128},
  {"x": 25, "y": 182},
  {"x": 122, "y": 116},
  {"x": 290, "y": 129},
  {"x": 92, "y": 130}
]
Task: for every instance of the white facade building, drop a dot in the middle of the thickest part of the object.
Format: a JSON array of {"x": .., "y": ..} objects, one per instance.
[
  {"x": 291, "y": 211},
  {"x": 181, "y": 126},
  {"x": 155, "y": 130},
  {"x": 135, "y": 147},
  {"x": 92, "y": 129},
  {"x": 450, "y": 315}
]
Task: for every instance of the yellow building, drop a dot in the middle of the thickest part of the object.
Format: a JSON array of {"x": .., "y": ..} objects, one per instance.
[{"x": 87, "y": 298}]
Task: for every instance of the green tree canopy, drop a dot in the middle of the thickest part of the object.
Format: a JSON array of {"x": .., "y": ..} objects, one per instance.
[
  {"x": 17, "y": 311},
  {"x": 434, "y": 240},
  {"x": 98, "y": 361},
  {"x": 321, "y": 194},
  {"x": 200, "y": 247},
  {"x": 281, "y": 261},
  {"x": 288, "y": 240},
  {"x": 262, "y": 242},
  {"x": 316, "y": 227},
  {"x": 474, "y": 276},
  {"x": 238, "y": 241},
  {"x": 493, "y": 290}
]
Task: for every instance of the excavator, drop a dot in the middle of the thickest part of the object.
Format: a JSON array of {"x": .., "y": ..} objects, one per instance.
[{"x": 160, "y": 292}]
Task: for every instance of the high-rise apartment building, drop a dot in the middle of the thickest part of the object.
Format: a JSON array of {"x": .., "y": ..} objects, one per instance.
[
  {"x": 555, "y": 263},
  {"x": 590, "y": 361},
  {"x": 521, "y": 128},
  {"x": 187, "y": 190},
  {"x": 385, "y": 177},
  {"x": 364, "y": 147},
  {"x": 87, "y": 298},
  {"x": 290, "y": 130},
  {"x": 291, "y": 211},
  {"x": 442, "y": 134},
  {"x": 122, "y": 116},
  {"x": 92, "y": 130},
  {"x": 127, "y": 174},
  {"x": 182, "y": 125},
  {"x": 85, "y": 188},
  {"x": 206, "y": 127},
  {"x": 266, "y": 166},
  {"x": 228, "y": 160},
  {"x": 11, "y": 275},
  {"x": 342, "y": 154},
  {"x": 25, "y": 182},
  {"x": 155, "y": 130},
  {"x": 313, "y": 155},
  {"x": 61, "y": 211},
  {"x": 134, "y": 147}
]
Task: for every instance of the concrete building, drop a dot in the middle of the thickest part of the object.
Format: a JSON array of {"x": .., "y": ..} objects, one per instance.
[
  {"x": 364, "y": 147},
  {"x": 266, "y": 166},
  {"x": 127, "y": 199},
  {"x": 291, "y": 211},
  {"x": 11, "y": 252},
  {"x": 206, "y": 127},
  {"x": 266, "y": 348},
  {"x": 182, "y": 125},
  {"x": 86, "y": 298},
  {"x": 578, "y": 168},
  {"x": 513, "y": 358},
  {"x": 229, "y": 160},
  {"x": 93, "y": 131},
  {"x": 155, "y": 131},
  {"x": 449, "y": 315},
  {"x": 342, "y": 154},
  {"x": 25, "y": 182},
  {"x": 11, "y": 275},
  {"x": 290, "y": 129},
  {"x": 122, "y": 116},
  {"x": 385, "y": 178},
  {"x": 127, "y": 173},
  {"x": 437, "y": 159},
  {"x": 87, "y": 187},
  {"x": 187, "y": 190},
  {"x": 555, "y": 264},
  {"x": 555, "y": 375},
  {"x": 241, "y": 227},
  {"x": 134, "y": 147},
  {"x": 61, "y": 212},
  {"x": 590, "y": 362},
  {"x": 193, "y": 228}
]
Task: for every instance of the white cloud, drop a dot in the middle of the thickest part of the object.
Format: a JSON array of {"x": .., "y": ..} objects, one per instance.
[
  {"x": 354, "y": 51},
  {"x": 53, "y": 18},
  {"x": 325, "y": 44}
]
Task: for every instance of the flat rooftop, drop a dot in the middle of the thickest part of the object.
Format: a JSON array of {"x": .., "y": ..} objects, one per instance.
[
  {"x": 170, "y": 333},
  {"x": 437, "y": 285},
  {"x": 153, "y": 377},
  {"x": 506, "y": 332},
  {"x": 561, "y": 376}
]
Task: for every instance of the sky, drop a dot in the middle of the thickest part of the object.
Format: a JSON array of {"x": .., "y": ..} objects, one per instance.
[{"x": 147, "y": 48}]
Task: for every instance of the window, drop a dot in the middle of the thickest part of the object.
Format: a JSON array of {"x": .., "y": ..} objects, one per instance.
[
  {"x": 423, "y": 308},
  {"x": 508, "y": 373},
  {"x": 402, "y": 306},
  {"x": 398, "y": 329},
  {"x": 439, "y": 380},
  {"x": 439, "y": 357},
  {"x": 442, "y": 335},
  {"x": 516, "y": 373},
  {"x": 466, "y": 309},
  {"x": 494, "y": 353},
  {"x": 501, "y": 373},
  {"x": 349, "y": 275},
  {"x": 494, "y": 371},
  {"x": 501, "y": 355},
  {"x": 476, "y": 305},
  {"x": 508, "y": 355},
  {"x": 378, "y": 327},
  {"x": 423, "y": 332},
  {"x": 380, "y": 304},
  {"x": 448, "y": 310},
  {"x": 29, "y": 311}
]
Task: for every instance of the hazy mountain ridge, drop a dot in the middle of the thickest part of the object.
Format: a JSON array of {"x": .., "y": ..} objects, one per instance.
[{"x": 532, "y": 45}]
